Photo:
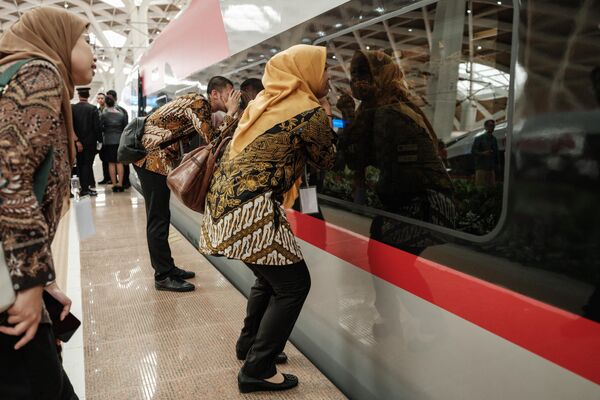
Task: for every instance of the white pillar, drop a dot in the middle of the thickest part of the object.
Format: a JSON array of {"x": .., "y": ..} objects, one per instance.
[{"x": 446, "y": 55}]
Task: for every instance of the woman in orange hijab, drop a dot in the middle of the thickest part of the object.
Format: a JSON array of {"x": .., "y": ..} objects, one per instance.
[
  {"x": 281, "y": 130},
  {"x": 36, "y": 128}
]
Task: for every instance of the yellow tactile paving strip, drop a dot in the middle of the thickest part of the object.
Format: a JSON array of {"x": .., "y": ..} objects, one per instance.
[{"x": 145, "y": 344}]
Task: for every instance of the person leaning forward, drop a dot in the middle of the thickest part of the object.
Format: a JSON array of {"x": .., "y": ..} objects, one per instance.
[
  {"x": 281, "y": 130},
  {"x": 172, "y": 121}
]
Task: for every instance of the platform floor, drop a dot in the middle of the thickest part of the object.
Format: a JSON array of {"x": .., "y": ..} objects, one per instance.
[{"x": 143, "y": 344}]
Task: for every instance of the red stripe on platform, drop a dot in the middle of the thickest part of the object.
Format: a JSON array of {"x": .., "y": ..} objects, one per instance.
[{"x": 566, "y": 339}]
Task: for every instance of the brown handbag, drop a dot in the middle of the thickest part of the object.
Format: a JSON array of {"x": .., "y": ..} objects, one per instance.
[{"x": 190, "y": 181}]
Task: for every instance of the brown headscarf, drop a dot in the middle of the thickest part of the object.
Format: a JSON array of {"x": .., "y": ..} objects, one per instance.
[
  {"x": 50, "y": 34},
  {"x": 390, "y": 87}
]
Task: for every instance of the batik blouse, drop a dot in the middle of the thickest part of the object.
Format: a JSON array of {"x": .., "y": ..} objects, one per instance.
[
  {"x": 244, "y": 219},
  {"x": 173, "y": 121},
  {"x": 31, "y": 123}
]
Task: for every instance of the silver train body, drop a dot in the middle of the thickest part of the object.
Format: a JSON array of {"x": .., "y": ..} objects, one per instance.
[{"x": 503, "y": 306}]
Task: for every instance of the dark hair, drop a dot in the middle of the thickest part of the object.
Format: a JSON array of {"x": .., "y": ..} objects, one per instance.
[
  {"x": 112, "y": 93},
  {"x": 217, "y": 83},
  {"x": 100, "y": 93},
  {"x": 110, "y": 101},
  {"x": 253, "y": 83},
  {"x": 489, "y": 121}
]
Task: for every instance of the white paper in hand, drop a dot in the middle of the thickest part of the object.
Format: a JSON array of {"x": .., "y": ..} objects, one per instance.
[
  {"x": 84, "y": 217},
  {"x": 309, "y": 204}
]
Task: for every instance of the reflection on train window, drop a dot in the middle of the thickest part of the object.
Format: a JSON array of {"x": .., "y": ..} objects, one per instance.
[{"x": 411, "y": 97}]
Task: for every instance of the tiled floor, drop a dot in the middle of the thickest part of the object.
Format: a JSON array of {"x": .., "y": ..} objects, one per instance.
[{"x": 143, "y": 344}]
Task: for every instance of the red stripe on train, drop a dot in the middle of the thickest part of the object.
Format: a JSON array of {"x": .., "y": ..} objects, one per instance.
[{"x": 564, "y": 338}]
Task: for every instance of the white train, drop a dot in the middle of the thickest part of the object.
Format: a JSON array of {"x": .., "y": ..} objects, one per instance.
[{"x": 505, "y": 304}]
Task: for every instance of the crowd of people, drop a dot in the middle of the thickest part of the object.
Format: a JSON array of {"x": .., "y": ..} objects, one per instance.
[{"x": 98, "y": 131}]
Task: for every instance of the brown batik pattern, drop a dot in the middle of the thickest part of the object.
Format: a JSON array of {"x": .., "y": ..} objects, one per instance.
[
  {"x": 243, "y": 218},
  {"x": 31, "y": 124},
  {"x": 171, "y": 121}
]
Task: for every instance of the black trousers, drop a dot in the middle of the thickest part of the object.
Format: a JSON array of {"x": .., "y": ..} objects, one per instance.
[
  {"x": 158, "y": 218},
  {"x": 273, "y": 307},
  {"x": 33, "y": 372},
  {"x": 85, "y": 162}
]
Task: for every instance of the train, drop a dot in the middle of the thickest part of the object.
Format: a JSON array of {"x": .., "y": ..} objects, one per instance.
[{"x": 505, "y": 302}]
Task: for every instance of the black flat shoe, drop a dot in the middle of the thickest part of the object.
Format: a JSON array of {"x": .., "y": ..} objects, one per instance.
[
  {"x": 280, "y": 359},
  {"x": 104, "y": 182},
  {"x": 182, "y": 273},
  {"x": 171, "y": 284},
  {"x": 247, "y": 384}
]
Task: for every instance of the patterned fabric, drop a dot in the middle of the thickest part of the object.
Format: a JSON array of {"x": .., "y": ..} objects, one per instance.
[
  {"x": 31, "y": 123},
  {"x": 170, "y": 122},
  {"x": 433, "y": 207},
  {"x": 244, "y": 219}
]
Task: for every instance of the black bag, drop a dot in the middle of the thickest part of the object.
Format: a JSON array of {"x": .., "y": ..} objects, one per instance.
[{"x": 130, "y": 145}]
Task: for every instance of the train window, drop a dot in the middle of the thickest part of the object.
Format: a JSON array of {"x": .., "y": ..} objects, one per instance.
[{"x": 421, "y": 103}]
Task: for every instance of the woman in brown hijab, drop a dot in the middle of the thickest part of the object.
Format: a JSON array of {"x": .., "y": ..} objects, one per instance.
[
  {"x": 391, "y": 133},
  {"x": 36, "y": 123}
]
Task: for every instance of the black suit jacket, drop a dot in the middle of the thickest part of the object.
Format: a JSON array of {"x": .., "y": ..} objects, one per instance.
[{"x": 86, "y": 123}]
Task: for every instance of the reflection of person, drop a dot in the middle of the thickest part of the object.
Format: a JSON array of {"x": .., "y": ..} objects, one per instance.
[
  {"x": 485, "y": 153},
  {"x": 172, "y": 121},
  {"x": 281, "y": 130},
  {"x": 399, "y": 141},
  {"x": 412, "y": 179},
  {"x": 86, "y": 124},
  {"x": 36, "y": 113},
  {"x": 113, "y": 122}
]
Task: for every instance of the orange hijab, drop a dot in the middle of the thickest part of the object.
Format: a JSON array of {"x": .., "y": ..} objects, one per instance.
[
  {"x": 50, "y": 34},
  {"x": 291, "y": 78}
]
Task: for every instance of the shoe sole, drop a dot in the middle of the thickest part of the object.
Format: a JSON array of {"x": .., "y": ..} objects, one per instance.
[
  {"x": 175, "y": 290},
  {"x": 250, "y": 388}
]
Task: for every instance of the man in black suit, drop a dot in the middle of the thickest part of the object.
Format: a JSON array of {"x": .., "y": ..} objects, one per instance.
[
  {"x": 86, "y": 123},
  {"x": 126, "y": 183}
]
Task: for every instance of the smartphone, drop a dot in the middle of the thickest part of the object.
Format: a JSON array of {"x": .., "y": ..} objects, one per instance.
[{"x": 63, "y": 330}]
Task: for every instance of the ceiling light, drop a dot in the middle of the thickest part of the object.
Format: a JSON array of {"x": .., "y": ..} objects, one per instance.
[
  {"x": 499, "y": 3},
  {"x": 380, "y": 10},
  {"x": 66, "y": 5},
  {"x": 368, "y": 47},
  {"x": 333, "y": 57},
  {"x": 321, "y": 33},
  {"x": 114, "y": 39},
  {"x": 251, "y": 60},
  {"x": 114, "y": 3},
  {"x": 410, "y": 29},
  {"x": 479, "y": 47},
  {"x": 360, "y": 17},
  {"x": 273, "y": 50},
  {"x": 468, "y": 11},
  {"x": 338, "y": 25}
]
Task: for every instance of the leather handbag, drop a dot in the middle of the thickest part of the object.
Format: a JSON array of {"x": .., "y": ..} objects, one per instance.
[{"x": 190, "y": 181}]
